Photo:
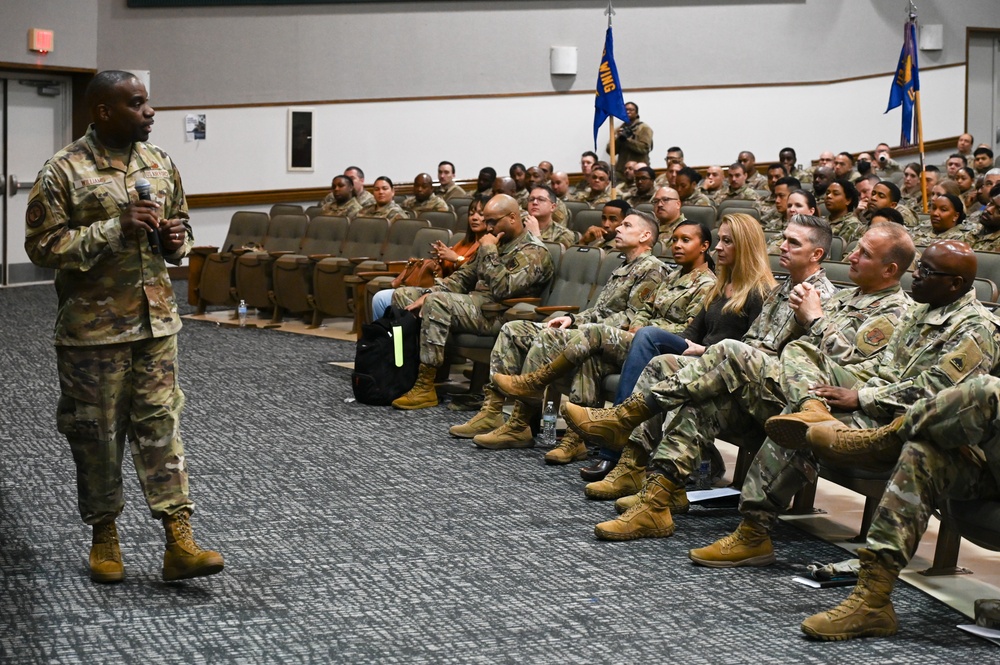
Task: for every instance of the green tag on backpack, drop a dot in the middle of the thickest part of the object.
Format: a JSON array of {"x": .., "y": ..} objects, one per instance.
[{"x": 397, "y": 344}]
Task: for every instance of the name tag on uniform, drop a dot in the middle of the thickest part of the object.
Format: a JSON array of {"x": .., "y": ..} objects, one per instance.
[
  {"x": 157, "y": 173},
  {"x": 90, "y": 182}
]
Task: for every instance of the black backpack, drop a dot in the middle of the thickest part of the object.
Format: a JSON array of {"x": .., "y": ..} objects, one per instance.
[{"x": 380, "y": 373}]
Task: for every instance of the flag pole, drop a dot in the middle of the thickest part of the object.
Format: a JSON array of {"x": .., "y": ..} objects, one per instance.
[
  {"x": 912, "y": 12},
  {"x": 610, "y": 11}
]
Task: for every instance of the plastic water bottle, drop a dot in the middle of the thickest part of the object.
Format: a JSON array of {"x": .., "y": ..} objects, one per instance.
[
  {"x": 703, "y": 477},
  {"x": 241, "y": 312},
  {"x": 549, "y": 425}
]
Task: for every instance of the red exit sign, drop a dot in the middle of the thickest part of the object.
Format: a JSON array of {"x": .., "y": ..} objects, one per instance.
[{"x": 40, "y": 41}]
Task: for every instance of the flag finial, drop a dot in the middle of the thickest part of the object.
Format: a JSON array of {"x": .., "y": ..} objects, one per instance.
[
  {"x": 610, "y": 11},
  {"x": 911, "y": 10}
]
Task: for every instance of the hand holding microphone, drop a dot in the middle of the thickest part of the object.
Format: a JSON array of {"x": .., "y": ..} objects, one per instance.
[{"x": 142, "y": 215}]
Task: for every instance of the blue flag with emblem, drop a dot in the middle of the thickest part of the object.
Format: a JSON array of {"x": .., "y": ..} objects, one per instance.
[
  {"x": 609, "y": 100},
  {"x": 906, "y": 83}
]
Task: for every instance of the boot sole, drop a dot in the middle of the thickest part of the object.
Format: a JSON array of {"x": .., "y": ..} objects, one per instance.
[
  {"x": 414, "y": 407},
  {"x": 789, "y": 434},
  {"x": 204, "y": 571},
  {"x": 754, "y": 561},
  {"x": 635, "y": 535},
  {"x": 598, "y": 495},
  {"x": 505, "y": 445},
  {"x": 674, "y": 510},
  {"x": 839, "y": 637},
  {"x": 107, "y": 578},
  {"x": 563, "y": 460},
  {"x": 470, "y": 435}
]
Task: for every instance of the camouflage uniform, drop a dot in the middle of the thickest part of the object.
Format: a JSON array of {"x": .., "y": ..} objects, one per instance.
[
  {"x": 953, "y": 451},
  {"x": 973, "y": 221},
  {"x": 558, "y": 233},
  {"x": 885, "y": 170},
  {"x": 635, "y": 198},
  {"x": 365, "y": 199},
  {"x": 561, "y": 214},
  {"x": 331, "y": 208},
  {"x": 929, "y": 350},
  {"x": 116, "y": 327},
  {"x": 520, "y": 268},
  {"x": 756, "y": 180},
  {"x": 985, "y": 240},
  {"x": 801, "y": 174},
  {"x": 434, "y": 203},
  {"x": 913, "y": 201},
  {"x": 521, "y": 196},
  {"x": 524, "y": 346},
  {"x": 744, "y": 193},
  {"x": 733, "y": 386},
  {"x": 849, "y": 227},
  {"x": 924, "y": 235},
  {"x": 451, "y": 192},
  {"x": 667, "y": 229},
  {"x": 633, "y": 149},
  {"x": 766, "y": 207},
  {"x": 390, "y": 211},
  {"x": 697, "y": 198},
  {"x": 595, "y": 200},
  {"x": 773, "y": 221}
]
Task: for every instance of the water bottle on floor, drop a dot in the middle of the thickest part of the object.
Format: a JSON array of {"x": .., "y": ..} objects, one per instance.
[
  {"x": 549, "y": 425},
  {"x": 703, "y": 476},
  {"x": 241, "y": 313}
]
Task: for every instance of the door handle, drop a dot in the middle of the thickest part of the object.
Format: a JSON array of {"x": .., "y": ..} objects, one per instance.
[{"x": 14, "y": 185}]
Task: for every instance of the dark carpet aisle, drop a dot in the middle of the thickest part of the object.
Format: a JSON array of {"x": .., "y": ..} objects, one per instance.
[{"x": 366, "y": 535}]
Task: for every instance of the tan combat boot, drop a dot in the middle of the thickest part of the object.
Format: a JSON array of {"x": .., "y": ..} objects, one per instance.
[
  {"x": 869, "y": 449},
  {"x": 678, "y": 502},
  {"x": 183, "y": 558},
  {"x": 648, "y": 518},
  {"x": 530, "y": 387},
  {"x": 867, "y": 612},
  {"x": 422, "y": 394},
  {"x": 515, "y": 433},
  {"x": 789, "y": 430},
  {"x": 105, "y": 555},
  {"x": 490, "y": 417},
  {"x": 628, "y": 476},
  {"x": 749, "y": 545},
  {"x": 608, "y": 427},
  {"x": 570, "y": 449}
]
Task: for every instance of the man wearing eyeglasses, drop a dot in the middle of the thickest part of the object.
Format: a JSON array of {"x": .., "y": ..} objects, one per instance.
[
  {"x": 667, "y": 210},
  {"x": 948, "y": 340},
  {"x": 540, "y": 220},
  {"x": 510, "y": 263},
  {"x": 644, "y": 177}
]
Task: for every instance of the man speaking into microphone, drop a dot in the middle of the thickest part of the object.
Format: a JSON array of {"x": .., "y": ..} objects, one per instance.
[{"x": 117, "y": 323}]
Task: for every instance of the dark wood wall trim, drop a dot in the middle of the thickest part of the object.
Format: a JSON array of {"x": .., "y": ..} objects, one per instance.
[
  {"x": 505, "y": 95},
  {"x": 271, "y": 196}
]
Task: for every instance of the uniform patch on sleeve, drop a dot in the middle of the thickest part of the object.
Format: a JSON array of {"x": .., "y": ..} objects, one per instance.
[
  {"x": 959, "y": 363},
  {"x": 35, "y": 214},
  {"x": 873, "y": 336}
]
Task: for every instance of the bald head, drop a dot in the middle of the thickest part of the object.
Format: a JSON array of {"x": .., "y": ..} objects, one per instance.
[
  {"x": 423, "y": 187},
  {"x": 503, "y": 217},
  {"x": 560, "y": 183},
  {"x": 949, "y": 270},
  {"x": 505, "y": 186}
]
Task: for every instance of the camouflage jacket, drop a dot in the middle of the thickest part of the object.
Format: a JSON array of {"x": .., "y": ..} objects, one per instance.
[
  {"x": 924, "y": 235},
  {"x": 558, "y": 233},
  {"x": 112, "y": 289},
  {"x": 638, "y": 199},
  {"x": 849, "y": 227},
  {"x": 434, "y": 203},
  {"x": 625, "y": 293},
  {"x": 666, "y": 233},
  {"x": 365, "y": 199},
  {"x": 744, "y": 193},
  {"x": 519, "y": 268},
  {"x": 697, "y": 198},
  {"x": 635, "y": 148},
  {"x": 390, "y": 211},
  {"x": 855, "y": 325},
  {"x": 561, "y": 214},
  {"x": 451, "y": 192},
  {"x": 595, "y": 199},
  {"x": 331, "y": 208},
  {"x": 985, "y": 240},
  {"x": 930, "y": 349},
  {"x": 677, "y": 300},
  {"x": 756, "y": 180},
  {"x": 776, "y": 325}
]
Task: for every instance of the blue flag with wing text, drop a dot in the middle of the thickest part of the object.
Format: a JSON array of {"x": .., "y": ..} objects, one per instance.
[
  {"x": 609, "y": 100},
  {"x": 906, "y": 83}
]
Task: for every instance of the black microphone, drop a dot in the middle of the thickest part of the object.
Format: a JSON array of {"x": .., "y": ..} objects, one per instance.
[{"x": 142, "y": 188}]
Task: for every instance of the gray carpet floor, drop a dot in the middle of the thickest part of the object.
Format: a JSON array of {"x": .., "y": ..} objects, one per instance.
[{"x": 366, "y": 535}]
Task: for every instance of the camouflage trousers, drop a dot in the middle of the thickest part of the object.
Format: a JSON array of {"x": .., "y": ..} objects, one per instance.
[
  {"x": 952, "y": 451},
  {"x": 444, "y": 313},
  {"x": 118, "y": 390},
  {"x": 597, "y": 351},
  {"x": 777, "y": 474},
  {"x": 731, "y": 388}
]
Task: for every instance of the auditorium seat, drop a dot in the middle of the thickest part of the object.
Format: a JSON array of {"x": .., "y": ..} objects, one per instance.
[
  {"x": 441, "y": 220},
  {"x": 293, "y": 273},
  {"x": 704, "y": 214},
  {"x": 211, "y": 270},
  {"x": 285, "y": 209},
  {"x": 584, "y": 219},
  {"x": 253, "y": 278},
  {"x": 365, "y": 239},
  {"x": 314, "y": 211}
]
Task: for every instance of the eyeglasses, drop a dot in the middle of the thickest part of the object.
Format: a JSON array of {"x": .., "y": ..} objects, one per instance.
[
  {"x": 663, "y": 200},
  {"x": 924, "y": 271},
  {"x": 494, "y": 222},
  {"x": 539, "y": 199}
]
